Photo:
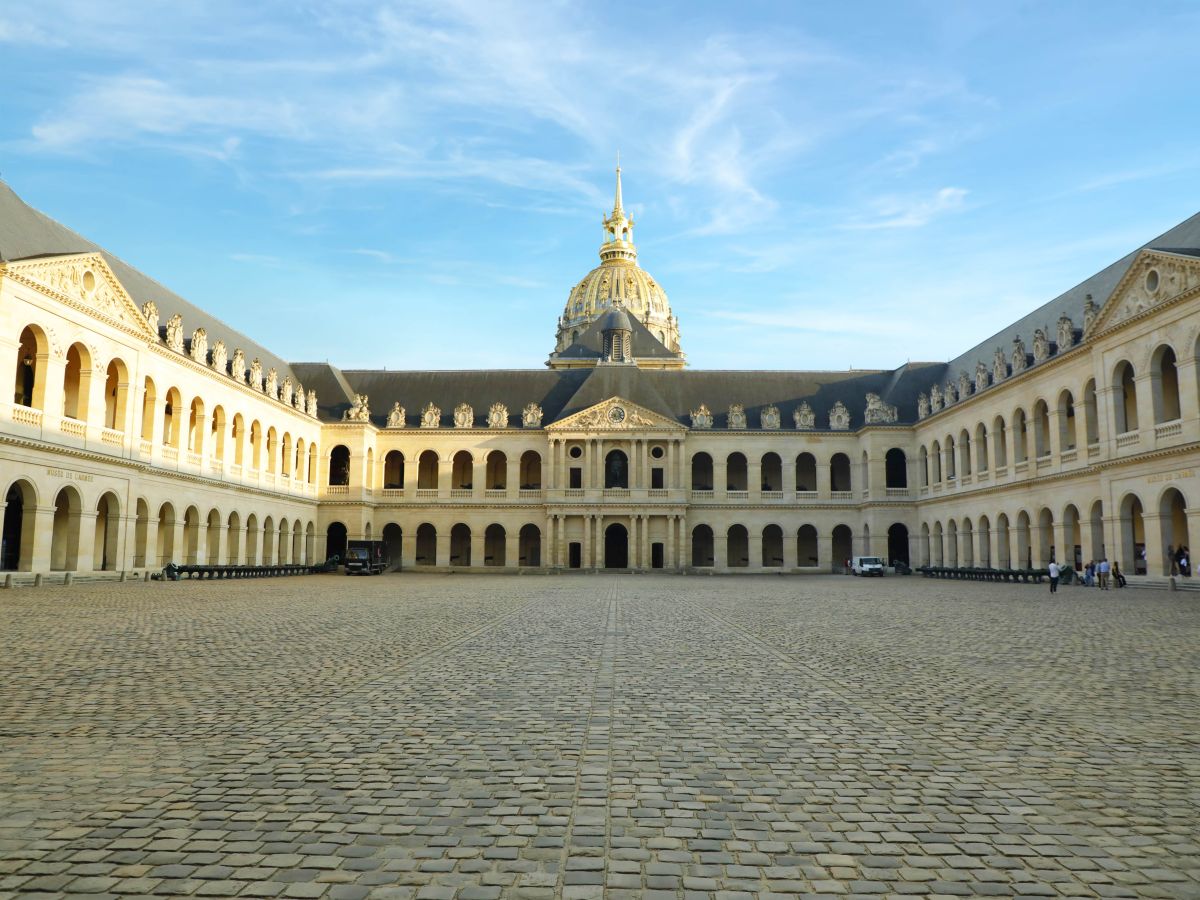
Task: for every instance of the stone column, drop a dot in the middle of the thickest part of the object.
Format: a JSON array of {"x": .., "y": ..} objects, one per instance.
[
  {"x": 479, "y": 477},
  {"x": 1106, "y": 414},
  {"x": 43, "y": 538},
  {"x": 55, "y": 368},
  {"x": 646, "y": 557},
  {"x": 1189, "y": 401},
  {"x": 1156, "y": 553},
  {"x": 442, "y": 552},
  {"x": 823, "y": 482},
  {"x": 408, "y": 545},
  {"x": 1144, "y": 391},
  {"x": 824, "y": 549},
  {"x": 789, "y": 478},
  {"x": 720, "y": 481},
  {"x": 754, "y": 549},
  {"x": 479, "y": 547},
  {"x": 223, "y": 544},
  {"x": 512, "y": 548},
  {"x": 598, "y": 537},
  {"x": 720, "y": 549},
  {"x": 754, "y": 478},
  {"x": 669, "y": 560},
  {"x": 86, "y": 541},
  {"x": 512, "y": 476},
  {"x": 586, "y": 558},
  {"x": 445, "y": 471},
  {"x": 563, "y": 543}
]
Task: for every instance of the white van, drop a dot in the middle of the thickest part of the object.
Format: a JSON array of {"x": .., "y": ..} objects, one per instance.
[{"x": 867, "y": 565}]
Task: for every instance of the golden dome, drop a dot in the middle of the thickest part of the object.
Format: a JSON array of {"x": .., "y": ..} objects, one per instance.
[{"x": 618, "y": 282}]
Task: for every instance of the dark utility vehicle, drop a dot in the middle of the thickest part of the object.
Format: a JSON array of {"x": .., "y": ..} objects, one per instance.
[{"x": 367, "y": 558}]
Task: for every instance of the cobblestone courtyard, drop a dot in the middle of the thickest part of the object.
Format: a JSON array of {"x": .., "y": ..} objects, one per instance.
[{"x": 616, "y": 736}]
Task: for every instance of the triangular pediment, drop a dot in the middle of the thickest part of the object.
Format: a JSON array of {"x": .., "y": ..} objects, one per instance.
[
  {"x": 1155, "y": 277},
  {"x": 615, "y": 414},
  {"x": 84, "y": 281}
]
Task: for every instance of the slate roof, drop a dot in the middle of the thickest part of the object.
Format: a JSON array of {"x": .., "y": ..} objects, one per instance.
[
  {"x": 643, "y": 343},
  {"x": 564, "y": 392},
  {"x": 26, "y": 233}
]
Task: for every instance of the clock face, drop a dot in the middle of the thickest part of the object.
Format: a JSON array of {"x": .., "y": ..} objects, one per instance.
[{"x": 616, "y": 415}]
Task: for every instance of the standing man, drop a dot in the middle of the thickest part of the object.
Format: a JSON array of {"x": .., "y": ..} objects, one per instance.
[
  {"x": 1054, "y": 573},
  {"x": 1105, "y": 568}
]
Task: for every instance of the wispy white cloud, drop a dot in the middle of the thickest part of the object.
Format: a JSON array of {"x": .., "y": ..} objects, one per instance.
[{"x": 911, "y": 212}]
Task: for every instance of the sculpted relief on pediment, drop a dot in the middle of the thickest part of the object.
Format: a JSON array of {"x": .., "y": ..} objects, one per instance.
[
  {"x": 615, "y": 414},
  {"x": 1154, "y": 278}
]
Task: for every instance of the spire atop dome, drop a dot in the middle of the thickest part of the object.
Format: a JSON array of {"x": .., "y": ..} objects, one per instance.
[{"x": 618, "y": 245}]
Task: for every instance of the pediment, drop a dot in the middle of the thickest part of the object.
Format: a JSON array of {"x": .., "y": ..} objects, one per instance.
[
  {"x": 1155, "y": 277},
  {"x": 615, "y": 414},
  {"x": 84, "y": 281}
]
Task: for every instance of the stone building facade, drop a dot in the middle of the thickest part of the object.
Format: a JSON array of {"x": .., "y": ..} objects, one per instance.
[{"x": 140, "y": 430}]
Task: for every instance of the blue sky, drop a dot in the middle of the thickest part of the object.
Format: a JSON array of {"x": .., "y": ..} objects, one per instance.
[{"x": 418, "y": 185}]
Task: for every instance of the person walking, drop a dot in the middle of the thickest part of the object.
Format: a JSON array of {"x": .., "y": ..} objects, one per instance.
[
  {"x": 1054, "y": 573},
  {"x": 1185, "y": 564},
  {"x": 1104, "y": 570},
  {"x": 1089, "y": 574},
  {"x": 1118, "y": 578}
]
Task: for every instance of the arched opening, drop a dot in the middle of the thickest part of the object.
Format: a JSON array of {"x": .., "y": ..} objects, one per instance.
[
  {"x": 1020, "y": 437},
  {"x": 530, "y": 545},
  {"x": 165, "y": 539},
  {"x": 494, "y": 546},
  {"x": 283, "y": 543},
  {"x": 253, "y": 537},
  {"x": 616, "y": 471},
  {"x": 116, "y": 395},
  {"x": 1041, "y": 429},
  {"x": 1000, "y": 442},
  {"x": 806, "y": 472},
  {"x": 496, "y": 476},
  {"x": 149, "y": 408},
  {"x": 952, "y": 543},
  {"x": 1133, "y": 536},
  {"x": 839, "y": 472},
  {"x": 531, "y": 472},
  {"x": 427, "y": 472},
  {"x": 772, "y": 547},
  {"x": 217, "y": 434},
  {"x": 273, "y": 449},
  {"x": 339, "y": 465},
  {"x": 702, "y": 472},
  {"x": 64, "y": 544},
  {"x": 16, "y": 541},
  {"x": 233, "y": 539},
  {"x": 196, "y": 426},
  {"x": 1072, "y": 553},
  {"x": 1164, "y": 384},
  {"x": 1047, "y": 552},
  {"x": 923, "y": 458},
  {"x": 335, "y": 541},
  {"x": 256, "y": 440},
  {"x": 462, "y": 469},
  {"x": 981, "y": 448},
  {"x": 737, "y": 547},
  {"x": 426, "y": 545},
  {"x": 616, "y": 546},
  {"x": 736, "y": 477},
  {"x": 1024, "y": 546},
  {"x": 898, "y": 543},
  {"x": 1003, "y": 543},
  {"x": 393, "y": 536},
  {"x": 807, "y": 553},
  {"x": 935, "y": 462},
  {"x": 702, "y": 546},
  {"x": 298, "y": 469},
  {"x": 191, "y": 536},
  {"x": 772, "y": 474},
  {"x": 1176, "y": 543},
  {"x": 77, "y": 382},
  {"x": 172, "y": 410},
  {"x": 938, "y": 545},
  {"x": 843, "y": 548},
  {"x": 895, "y": 468},
  {"x": 104, "y": 539},
  {"x": 1067, "y": 439},
  {"x": 29, "y": 386},
  {"x": 285, "y": 459},
  {"x": 984, "y": 536},
  {"x": 1091, "y": 418},
  {"x": 1124, "y": 398},
  {"x": 141, "y": 533},
  {"x": 212, "y": 538}
]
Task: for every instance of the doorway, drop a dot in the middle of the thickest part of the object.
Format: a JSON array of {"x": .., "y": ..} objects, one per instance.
[{"x": 616, "y": 547}]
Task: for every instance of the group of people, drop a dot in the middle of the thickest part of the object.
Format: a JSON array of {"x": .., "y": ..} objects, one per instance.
[
  {"x": 1095, "y": 574},
  {"x": 1180, "y": 560}
]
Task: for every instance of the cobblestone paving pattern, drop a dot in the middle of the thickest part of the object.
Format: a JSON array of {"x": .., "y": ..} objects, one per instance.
[{"x": 607, "y": 736}]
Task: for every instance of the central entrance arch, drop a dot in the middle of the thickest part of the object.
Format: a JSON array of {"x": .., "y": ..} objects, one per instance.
[{"x": 616, "y": 547}]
